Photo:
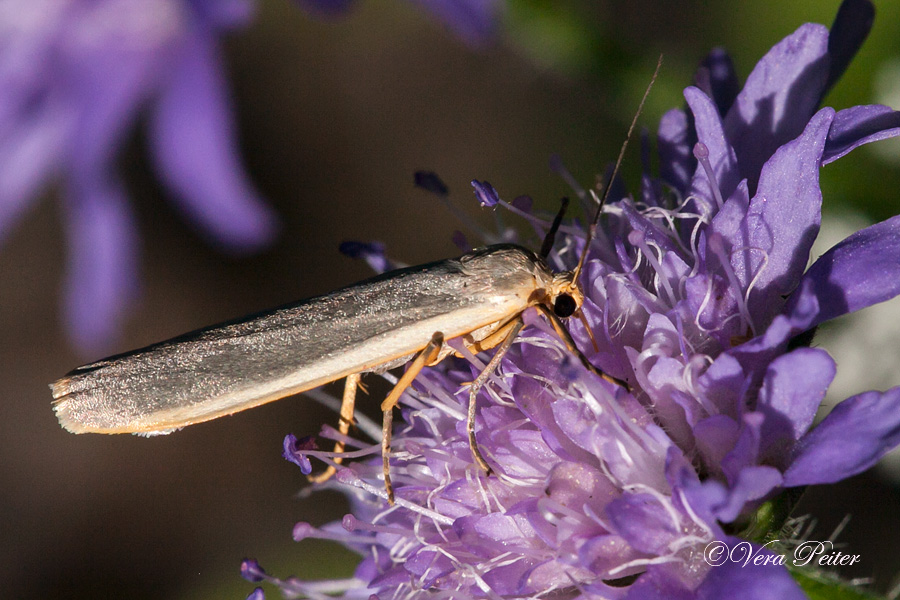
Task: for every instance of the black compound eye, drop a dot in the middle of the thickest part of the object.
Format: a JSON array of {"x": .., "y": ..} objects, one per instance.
[{"x": 564, "y": 306}]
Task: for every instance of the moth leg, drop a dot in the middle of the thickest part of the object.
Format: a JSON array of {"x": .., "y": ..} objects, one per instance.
[
  {"x": 587, "y": 328},
  {"x": 479, "y": 382},
  {"x": 564, "y": 335},
  {"x": 348, "y": 403},
  {"x": 426, "y": 357},
  {"x": 491, "y": 340}
]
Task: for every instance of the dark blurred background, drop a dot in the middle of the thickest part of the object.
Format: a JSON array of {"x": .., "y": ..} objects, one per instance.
[{"x": 334, "y": 118}]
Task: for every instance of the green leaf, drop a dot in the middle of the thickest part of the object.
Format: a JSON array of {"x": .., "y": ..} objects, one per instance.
[
  {"x": 821, "y": 586},
  {"x": 769, "y": 520}
]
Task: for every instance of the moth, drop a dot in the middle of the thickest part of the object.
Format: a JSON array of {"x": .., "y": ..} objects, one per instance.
[{"x": 404, "y": 316}]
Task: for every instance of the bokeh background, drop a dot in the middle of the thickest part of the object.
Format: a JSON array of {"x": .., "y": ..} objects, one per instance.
[{"x": 334, "y": 117}]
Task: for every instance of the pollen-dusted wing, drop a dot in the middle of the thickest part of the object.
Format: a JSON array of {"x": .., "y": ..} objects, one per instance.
[{"x": 369, "y": 326}]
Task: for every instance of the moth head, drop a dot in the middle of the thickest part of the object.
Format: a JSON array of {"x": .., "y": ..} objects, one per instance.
[
  {"x": 564, "y": 295},
  {"x": 565, "y": 299}
]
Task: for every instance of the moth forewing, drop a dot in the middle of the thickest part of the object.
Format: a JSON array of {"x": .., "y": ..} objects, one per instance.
[{"x": 369, "y": 326}]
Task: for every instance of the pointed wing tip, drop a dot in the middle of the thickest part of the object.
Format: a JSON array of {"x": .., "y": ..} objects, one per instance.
[
  {"x": 63, "y": 409},
  {"x": 63, "y": 406},
  {"x": 60, "y": 389},
  {"x": 71, "y": 413}
]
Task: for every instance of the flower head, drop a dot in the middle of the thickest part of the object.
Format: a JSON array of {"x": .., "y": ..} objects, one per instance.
[
  {"x": 697, "y": 294},
  {"x": 74, "y": 76}
]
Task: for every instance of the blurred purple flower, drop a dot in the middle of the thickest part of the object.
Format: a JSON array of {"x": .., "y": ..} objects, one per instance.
[
  {"x": 698, "y": 295},
  {"x": 474, "y": 21},
  {"x": 326, "y": 8},
  {"x": 74, "y": 76},
  {"x": 371, "y": 252}
]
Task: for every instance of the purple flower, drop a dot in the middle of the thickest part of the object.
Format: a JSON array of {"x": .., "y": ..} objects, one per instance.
[
  {"x": 697, "y": 294},
  {"x": 372, "y": 252},
  {"x": 73, "y": 77},
  {"x": 486, "y": 194},
  {"x": 474, "y": 21}
]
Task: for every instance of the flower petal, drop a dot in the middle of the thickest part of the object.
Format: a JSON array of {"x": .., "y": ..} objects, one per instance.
[
  {"x": 642, "y": 521},
  {"x": 848, "y": 32},
  {"x": 789, "y": 185},
  {"x": 675, "y": 138},
  {"x": 327, "y": 8},
  {"x": 858, "y": 432},
  {"x": 431, "y": 182},
  {"x": 860, "y": 271},
  {"x": 101, "y": 275},
  {"x": 475, "y": 21},
  {"x": 746, "y": 449},
  {"x": 756, "y": 355},
  {"x": 224, "y": 14},
  {"x": 723, "y": 384},
  {"x": 107, "y": 80},
  {"x": 781, "y": 94},
  {"x": 427, "y": 566},
  {"x": 718, "y": 79},
  {"x": 659, "y": 583},
  {"x": 737, "y": 579},
  {"x": 858, "y": 125},
  {"x": 372, "y": 252},
  {"x": 794, "y": 387},
  {"x": 714, "y": 437},
  {"x": 752, "y": 484},
  {"x": 194, "y": 149},
  {"x": 30, "y": 150},
  {"x": 721, "y": 155}
]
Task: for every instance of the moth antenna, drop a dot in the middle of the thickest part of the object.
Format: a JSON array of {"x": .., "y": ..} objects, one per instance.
[
  {"x": 547, "y": 246},
  {"x": 592, "y": 230}
]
